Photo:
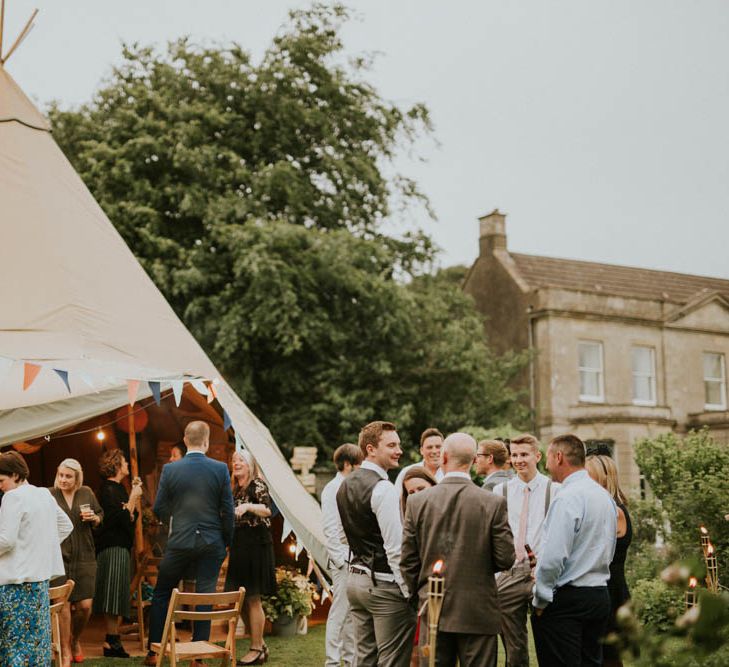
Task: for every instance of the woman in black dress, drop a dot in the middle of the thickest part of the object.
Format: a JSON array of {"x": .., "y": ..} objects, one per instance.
[
  {"x": 603, "y": 470},
  {"x": 251, "y": 563},
  {"x": 113, "y": 546}
]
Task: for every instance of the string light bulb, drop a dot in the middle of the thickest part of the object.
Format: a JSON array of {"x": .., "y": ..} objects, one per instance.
[
  {"x": 292, "y": 549},
  {"x": 100, "y": 435}
]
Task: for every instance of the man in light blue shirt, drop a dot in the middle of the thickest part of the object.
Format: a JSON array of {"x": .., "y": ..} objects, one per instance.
[{"x": 571, "y": 602}]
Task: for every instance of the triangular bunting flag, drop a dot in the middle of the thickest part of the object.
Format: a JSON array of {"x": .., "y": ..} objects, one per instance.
[
  {"x": 177, "y": 391},
  {"x": 30, "y": 373},
  {"x": 324, "y": 594},
  {"x": 227, "y": 423},
  {"x": 240, "y": 445},
  {"x": 287, "y": 530},
  {"x": 310, "y": 567},
  {"x": 132, "y": 389},
  {"x": 299, "y": 548},
  {"x": 212, "y": 392},
  {"x": 64, "y": 376},
  {"x": 155, "y": 389},
  {"x": 200, "y": 387},
  {"x": 5, "y": 366}
]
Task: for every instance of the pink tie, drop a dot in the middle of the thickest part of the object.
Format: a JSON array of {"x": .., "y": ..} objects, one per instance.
[{"x": 521, "y": 553}]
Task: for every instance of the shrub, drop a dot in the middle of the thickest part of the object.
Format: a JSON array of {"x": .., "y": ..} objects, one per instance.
[
  {"x": 294, "y": 595},
  {"x": 656, "y": 604}
]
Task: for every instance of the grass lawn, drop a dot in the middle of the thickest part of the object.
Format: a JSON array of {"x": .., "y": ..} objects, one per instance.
[{"x": 300, "y": 651}]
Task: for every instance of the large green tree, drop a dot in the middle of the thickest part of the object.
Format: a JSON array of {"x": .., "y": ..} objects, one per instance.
[{"x": 254, "y": 195}]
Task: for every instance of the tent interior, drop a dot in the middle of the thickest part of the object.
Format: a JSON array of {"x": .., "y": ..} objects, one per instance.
[{"x": 157, "y": 428}]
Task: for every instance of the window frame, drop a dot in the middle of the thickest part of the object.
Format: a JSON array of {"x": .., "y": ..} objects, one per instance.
[
  {"x": 588, "y": 398},
  {"x": 721, "y": 381},
  {"x": 652, "y": 376}
]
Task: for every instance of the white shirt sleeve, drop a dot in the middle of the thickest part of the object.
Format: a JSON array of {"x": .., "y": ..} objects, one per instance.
[
  {"x": 9, "y": 523},
  {"x": 559, "y": 531},
  {"x": 64, "y": 524},
  {"x": 334, "y": 537},
  {"x": 386, "y": 506}
]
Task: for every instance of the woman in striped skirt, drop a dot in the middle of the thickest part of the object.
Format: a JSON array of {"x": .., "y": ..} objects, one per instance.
[{"x": 113, "y": 546}]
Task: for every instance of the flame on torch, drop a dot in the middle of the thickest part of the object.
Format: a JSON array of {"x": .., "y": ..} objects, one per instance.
[
  {"x": 710, "y": 549},
  {"x": 692, "y": 582},
  {"x": 438, "y": 567},
  {"x": 703, "y": 530}
]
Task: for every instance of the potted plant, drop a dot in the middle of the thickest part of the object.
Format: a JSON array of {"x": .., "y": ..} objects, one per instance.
[{"x": 294, "y": 598}]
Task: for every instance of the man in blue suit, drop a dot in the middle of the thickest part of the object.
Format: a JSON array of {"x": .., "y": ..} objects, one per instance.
[{"x": 195, "y": 498}]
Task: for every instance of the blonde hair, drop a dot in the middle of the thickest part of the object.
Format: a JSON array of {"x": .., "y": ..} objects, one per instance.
[
  {"x": 527, "y": 439},
  {"x": 78, "y": 472},
  {"x": 250, "y": 462},
  {"x": 604, "y": 471}
]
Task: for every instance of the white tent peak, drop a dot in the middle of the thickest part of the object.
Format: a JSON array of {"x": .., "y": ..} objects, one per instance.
[{"x": 15, "y": 105}]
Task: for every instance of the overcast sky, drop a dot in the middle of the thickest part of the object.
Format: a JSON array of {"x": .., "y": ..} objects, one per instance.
[{"x": 599, "y": 126}]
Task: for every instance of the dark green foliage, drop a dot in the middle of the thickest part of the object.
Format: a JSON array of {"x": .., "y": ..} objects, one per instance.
[
  {"x": 254, "y": 195},
  {"x": 690, "y": 477},
  {"x": 657, "y": 604}
]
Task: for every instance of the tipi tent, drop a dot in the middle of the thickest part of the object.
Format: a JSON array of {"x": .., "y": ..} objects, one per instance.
[{"x": 74, "y": 299}]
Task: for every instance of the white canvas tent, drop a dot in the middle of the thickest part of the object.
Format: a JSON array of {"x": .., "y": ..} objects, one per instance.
[{"x": 73, "y": 297}]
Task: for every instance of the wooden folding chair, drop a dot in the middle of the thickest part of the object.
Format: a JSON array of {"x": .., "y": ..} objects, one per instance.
[
  {"x": 227, "y": 608},
  {"x": 58, "y": 596},
  {"x": 145, "y": 572}
]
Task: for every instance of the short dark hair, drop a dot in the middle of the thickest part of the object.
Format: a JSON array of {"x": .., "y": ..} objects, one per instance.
[
  {"x": 371, "y": 433},
  {"x": 571, "y": 447},
  {"x": 347, "y": 453},
  {"x": 429, "y": 432},
  {"x": 110, "y": 462},
  {"x": 495, "y": 448},
  {"x": 181, "y": 447},
  {"x": 13, "y": 464}
]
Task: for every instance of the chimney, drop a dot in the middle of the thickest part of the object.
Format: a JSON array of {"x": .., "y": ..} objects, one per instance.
[{"x": 492, "y": 232}]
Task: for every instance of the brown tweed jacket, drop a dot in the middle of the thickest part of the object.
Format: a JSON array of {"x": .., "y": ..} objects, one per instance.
[{"x": 468, "y": 528}]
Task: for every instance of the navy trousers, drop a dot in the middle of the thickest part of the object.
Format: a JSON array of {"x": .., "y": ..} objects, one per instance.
[
  {"x": 570, "y": 630},
  {"x": 204, "y": 560}
]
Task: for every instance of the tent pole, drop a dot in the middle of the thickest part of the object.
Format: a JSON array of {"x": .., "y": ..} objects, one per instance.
[
  {"x": 2, "y": 27},
  {"x": 134, "y": 465}
]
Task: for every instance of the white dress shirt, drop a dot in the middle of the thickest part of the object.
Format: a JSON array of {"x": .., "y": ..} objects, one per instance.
[
  {"x": 580, "y": 535},
  {"x": 334, "y": 536},
  {"x": 32, "y": 527},
  {"x": 537, "y": 500},
  {"x": 439, "y": 474},
  {"x": 385, "y": 504}
]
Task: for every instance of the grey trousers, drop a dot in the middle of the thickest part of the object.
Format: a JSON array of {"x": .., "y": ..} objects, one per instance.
[
  {"x": 340, "y": 642},
  {"x": 514, "y": 593},
  {"x": 384, "y": 622}
]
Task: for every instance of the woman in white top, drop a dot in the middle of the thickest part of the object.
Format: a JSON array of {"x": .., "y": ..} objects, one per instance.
[{"x": 32, "y": 527}]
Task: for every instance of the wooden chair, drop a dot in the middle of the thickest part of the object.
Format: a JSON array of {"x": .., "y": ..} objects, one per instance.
[
  {"x": 58, "y": 596},
  {"x": 227, "y": 608},
  {"x": 145, "y": 572}
]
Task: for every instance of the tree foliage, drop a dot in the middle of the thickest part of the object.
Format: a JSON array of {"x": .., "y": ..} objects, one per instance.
[
  {"x": 690, "y": 477},
  {"x": 254, "y": 195}
]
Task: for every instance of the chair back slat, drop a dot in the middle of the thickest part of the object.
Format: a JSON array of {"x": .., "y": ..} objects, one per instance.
[
  {"x": 207, "y": 598},
  {"x": 214, "y": 615}
]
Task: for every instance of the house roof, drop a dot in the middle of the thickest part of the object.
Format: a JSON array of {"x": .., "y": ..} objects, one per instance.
[{"x": 624, "y": 281}]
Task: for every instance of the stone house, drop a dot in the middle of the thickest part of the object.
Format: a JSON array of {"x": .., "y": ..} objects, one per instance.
[{"x": 620, "y": 353}]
